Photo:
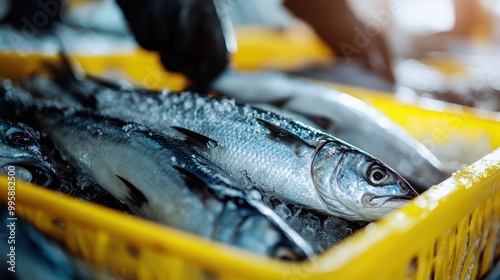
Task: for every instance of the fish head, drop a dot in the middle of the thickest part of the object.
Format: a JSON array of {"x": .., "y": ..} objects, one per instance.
[
  {"x": 21, "y": 154},
  {"x": 354, "y": 185},
  {"x": 267, "y": 234}
]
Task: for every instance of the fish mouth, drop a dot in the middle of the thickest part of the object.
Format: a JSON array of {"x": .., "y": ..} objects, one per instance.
[
  {"x": 371, "y": 200},
  {"x": 38, "y": 173}
]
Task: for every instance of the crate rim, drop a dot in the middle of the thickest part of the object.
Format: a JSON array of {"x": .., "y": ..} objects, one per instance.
[{"x": 345, "y": 256}]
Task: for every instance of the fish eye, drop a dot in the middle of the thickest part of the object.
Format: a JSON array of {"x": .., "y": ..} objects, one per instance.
[
  {"x": 377, "y": 174},
  {"x": 285, "y": 254},
  {"x": 20, "y": 138}
]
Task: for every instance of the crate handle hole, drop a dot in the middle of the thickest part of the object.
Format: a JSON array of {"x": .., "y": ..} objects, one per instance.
[
  {"x": 133, "y": 251},
  {"x": 58, "y": 222}
]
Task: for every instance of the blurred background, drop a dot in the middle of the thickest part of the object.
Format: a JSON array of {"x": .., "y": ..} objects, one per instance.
[
  {"x": 445, "y": 49},
  {"x": 442, "y": 49}
]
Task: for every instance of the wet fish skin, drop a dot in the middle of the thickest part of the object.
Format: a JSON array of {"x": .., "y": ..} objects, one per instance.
[
  {"x": 159, "y": 178},
  {"x": 252, "y": 150},
  {"x": 320, "y": 238},
  {"x": 21, "y": 152},
  {"x": 342, "y": 115},
  {"x": 355, "y": 175},
  {"x": 231, "y": 126},
  {"x": 18, "y": 104}
]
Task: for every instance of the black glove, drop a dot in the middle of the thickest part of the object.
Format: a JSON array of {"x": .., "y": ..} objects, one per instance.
[
  {"x": 32, "y": 17},
  {"x": 186, "y": 33},
  {"x": 337, "y": 25}
]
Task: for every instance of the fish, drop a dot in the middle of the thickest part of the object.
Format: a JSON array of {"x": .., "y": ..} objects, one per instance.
[
  {"x": 342, "y": 115},
  {"x": 280, "y": 157},
  {"x": 21, "y": 156},
  {"x": 320, "y": 232},
  {"x": 18, "y": 104},
  {"x": 38, "y": 256},
  {"x": 160, "y": 178}
]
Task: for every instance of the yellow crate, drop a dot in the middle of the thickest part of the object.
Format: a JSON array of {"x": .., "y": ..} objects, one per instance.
[
  {"x": 450, "y": 231},
  {"x": 439, "y": 235}
]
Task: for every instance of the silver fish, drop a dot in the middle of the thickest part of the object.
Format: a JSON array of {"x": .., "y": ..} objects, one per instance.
[
  {"x": 342, "y": 115},
  {"x": 282, "y": 157},
  {"x": 158, "y": 177},
  {"x": 22, "y": 157},
  {"x": 18, "y": 104}
]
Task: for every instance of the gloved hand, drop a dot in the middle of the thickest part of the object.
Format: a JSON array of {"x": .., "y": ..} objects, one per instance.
[
  {"x": 336, "y": 24},
  {"x": 186, "y": 33},
  {"x": 30, "y": 16}
]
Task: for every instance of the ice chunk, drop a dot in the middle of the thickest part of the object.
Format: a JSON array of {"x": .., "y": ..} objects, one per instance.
[
  {"x": 320, "y": 231},
  {"x": 283, "y": 211},
  {"x": 84, "y": 181}
]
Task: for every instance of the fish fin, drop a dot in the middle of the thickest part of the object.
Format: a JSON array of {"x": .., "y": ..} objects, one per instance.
[
  {"x": 205, "y": 191},
  {"x": 196, "y": 185},
  {"x": 70, "y": 76},
  {"x": 66, "y": 70},
  {"x": 196, "y": 138},
  {"x": 107, "y": 83},
  {"x": 279, "y": 134},
  {"x": 135, "y": 196}
]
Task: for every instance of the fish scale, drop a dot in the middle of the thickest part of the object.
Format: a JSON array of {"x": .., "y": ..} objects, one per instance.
[
  {"x": 290, "y": 173},
  {"x": 248, "y": 151},
  {"x": 135, "y": 165},
  {"x": 279, "y": 156},
  {"x": 341, "y": 115}
]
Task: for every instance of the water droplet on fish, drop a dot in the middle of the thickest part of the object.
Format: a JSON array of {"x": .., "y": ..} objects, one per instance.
[
  {"x": 255, "y": 194},
  {"x": 211, "y": 144},
  {"x": 128, "y": 127},
  {"x": 85, "y": 159}
]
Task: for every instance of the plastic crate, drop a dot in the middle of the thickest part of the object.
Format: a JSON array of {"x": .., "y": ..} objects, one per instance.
[{"x": 452, "y": 231}]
